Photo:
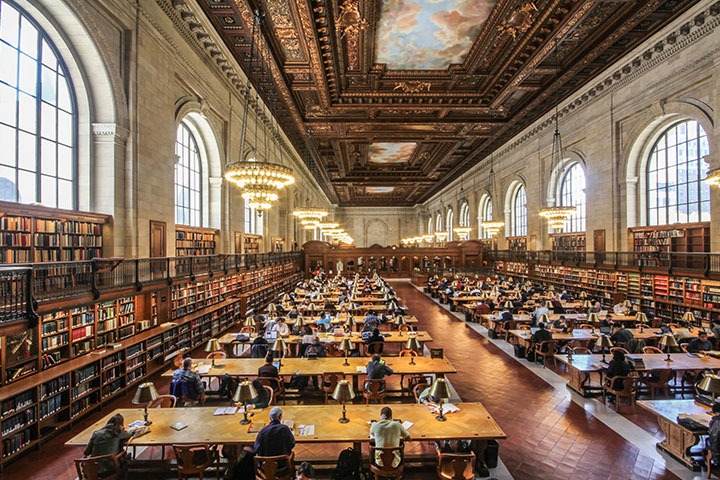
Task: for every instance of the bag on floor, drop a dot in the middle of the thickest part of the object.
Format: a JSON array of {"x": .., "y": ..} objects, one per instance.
[
  {"x": 349, "y": 466},
  {"x": 530, "y": 354},
  {"x": 519, "y": 351},
  {"x": 227, "y": 387},
  {"x": 243, "y": 468},
  {"x": 492, "y": 333}
]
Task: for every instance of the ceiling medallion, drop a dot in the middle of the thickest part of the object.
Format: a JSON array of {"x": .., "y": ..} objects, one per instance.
[
  {"x": 350, "y": 22},
  {"x": 519, "y": 21},
  {"x": 412, "y": 87}
]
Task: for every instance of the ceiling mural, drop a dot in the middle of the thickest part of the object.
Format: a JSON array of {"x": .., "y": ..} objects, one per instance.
[
  {"x": 391, "y": 153},
  {"x": 389, "y": 101},
  {"x": 428, "y": 34}
]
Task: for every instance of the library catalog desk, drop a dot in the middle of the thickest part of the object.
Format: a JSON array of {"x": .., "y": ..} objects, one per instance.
[
  {"x": 581, "y": 366},
  {"x": 472, "y": 422},
  {"x": 678, "y": 439}
]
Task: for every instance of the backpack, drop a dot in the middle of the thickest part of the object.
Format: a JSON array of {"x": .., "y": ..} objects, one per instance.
[
  {"x": 349, "y": 466},
  {"x": 243, "y": 468},
  {"x": 227, "y": 386}
]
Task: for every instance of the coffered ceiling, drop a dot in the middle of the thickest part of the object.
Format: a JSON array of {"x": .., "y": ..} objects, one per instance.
[{"x": 390, "y": 100}]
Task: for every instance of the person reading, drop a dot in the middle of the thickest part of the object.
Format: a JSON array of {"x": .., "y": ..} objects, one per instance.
[
  {"x": 275, "y": 438},
  {"x": 268, "y": 369},
  {"x": 700, "y": 344},
  {"x": 190, "y": 379},
  {"x": 378, "y": 370},
  {"x": 109, "y": 440},
  {"x": 388, "y": 433}
]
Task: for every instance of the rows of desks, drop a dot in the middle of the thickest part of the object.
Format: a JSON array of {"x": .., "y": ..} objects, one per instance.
[{"x": 329, "y": 337}]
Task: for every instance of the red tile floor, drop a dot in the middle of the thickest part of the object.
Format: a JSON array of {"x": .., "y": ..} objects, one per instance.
[{"x": 549, "y": 437}]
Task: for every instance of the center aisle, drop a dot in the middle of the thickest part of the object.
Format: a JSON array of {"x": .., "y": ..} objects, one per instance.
[{"x": 549, "y": 436}]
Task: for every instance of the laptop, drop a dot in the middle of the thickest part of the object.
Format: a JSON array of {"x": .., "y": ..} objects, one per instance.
[
  {"x": 605, "y": 330},
  {"x": 271, "y": 335}
]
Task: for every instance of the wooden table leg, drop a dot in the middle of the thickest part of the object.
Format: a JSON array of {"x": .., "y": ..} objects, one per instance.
[{"x": 678, "y": 442}]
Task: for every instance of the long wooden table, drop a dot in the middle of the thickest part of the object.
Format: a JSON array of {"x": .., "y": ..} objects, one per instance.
[
  {"x": 472, "y": 422},
  {"x": 359, "y": 319},
  {"x": 582, "y": 336},
  {"x": 581, "y": 366},
  {"x": 390, "y": 337},
  {"x": 678, "y": 439}
]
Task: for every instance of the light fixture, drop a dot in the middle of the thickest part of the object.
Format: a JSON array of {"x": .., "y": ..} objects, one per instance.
[
  {"x": 145, "y": 393},
  {"x": 711, "y": 384},
  {"x": 310, "y": 213},
  {"x": 259, "y": 197},
  {"x": 328, "y": 226},
  {"x": 244, "y": 393},
  {"x": 602, "y": 342},
  {"x": 428, "y": 238},
  {"x": 557, "y": 216},
  {"x": 279, "y": 347},
  {"x": 463, "y": 232},
  {"x": 414, "y": 346},
  {"x": 493, "y": 228},
  {"x": 346, "y": 346},
  {"x": 441, "y": 236},
  {"x": 212, "y": 346},
  {"x": 713, "y": 178},
  {"x": 440, "y": 391},
  {"x": 668, "y": 341},
  {"x": 343, "y": 393}
]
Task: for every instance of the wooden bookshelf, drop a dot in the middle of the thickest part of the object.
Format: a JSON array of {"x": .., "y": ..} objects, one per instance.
[
  {"x": 34, "y": 234},
  {"x": 689, "y": 238},
  {"x": 252, "y": 243},
  {"x": 568, "y": 241},
  {"x": 517, "y": 243},
  {"x": 195, "y": 241},
  {"x": 80, "y": 358}
]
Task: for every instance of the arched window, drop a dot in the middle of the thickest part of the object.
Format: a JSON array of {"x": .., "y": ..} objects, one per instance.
[
  {"x": 486, "y": 215},
  {"x": 464, "y": 215},
  {"x": 254, "y": 222},
  {"x": 38, "y": 120},
  {"x": 572, "y": 193},
  {"x": 188, "y": 185},
  {"x": 676, "y": 192},
  {"x": 519, "y": 212},
  {"x": 438, "y": 223},
  {"x": 449, "y": 224}
]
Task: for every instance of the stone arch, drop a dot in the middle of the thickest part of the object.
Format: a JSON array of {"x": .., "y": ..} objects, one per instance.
[
  {"x": 376, "y": 231},
  {"x": 572, "y": 156},
  {"x": 641, "y": 141},
  {"x": 512, "y": 189}
]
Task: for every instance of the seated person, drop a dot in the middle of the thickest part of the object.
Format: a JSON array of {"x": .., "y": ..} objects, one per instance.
[
  {"x": 270, "y": 324},
  {"x": 378, "y": 370},
  {"x": 374, "y": 337},
  {"x": 506, "y": 315},
  {"x": 700, "y": 344},
  {"x": 109, "y": 440},
  {"x": 190, "y": 377},
  {"x": 565, "y": 296},
  {"x": 426, "y": 399},
  {"x": 324, "y": 322},
  {"x": 316, "y": 348},
  {"x": 560, "y": 323},
  {"x": 618, "y": 367},
  {"x": 482, "y": 308},
  {"x": 307, "y": 335},
  {"x": 281, "y": 327},
  {"x": 716, "y": 329},
  {"x": 263, "y": 397},
  {"x": 293, "y": 313},
  {"x": 713, "y": 441},
  {"x": 540, "y": 311},
  {"x": 620, "y": 309},
  {"x": 268, "y": 369},
  {"x": 541, "y": 335},
  {"x": 595, "y": 308},
  {"x": 371, "y": 319},
  {"x": 621, "y": 334},
  {"x": 305, "y": 472},
  {"x": 388, "y": 433},
  {"x": 275, "y": 438}
]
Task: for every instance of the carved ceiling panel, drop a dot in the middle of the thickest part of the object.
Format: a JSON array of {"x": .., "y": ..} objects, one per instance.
[{"x": 391, "y": 100}]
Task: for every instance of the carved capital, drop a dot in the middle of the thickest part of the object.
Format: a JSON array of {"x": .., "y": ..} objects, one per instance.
[
  {"x": 109, "y": 131},
  {"x": 215, "y": 181}
]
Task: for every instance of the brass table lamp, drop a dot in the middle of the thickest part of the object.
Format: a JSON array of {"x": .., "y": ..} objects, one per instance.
[
  {"x": 243, "y": 394},
  {"x": 668, "y": 341},
  {"x": 213, "y": 346},
  {"x": 272, "y": 307},
  {"x": 602, "y": 342},
  {"x": 145, "y": 393},
  {"x": 413, "y": 345},
  {"x": 249, "y": 322},
  {"x": 346, "y": 346},
  {"x": 440, "y": 391},
  {"x": 399, "y": 320},
  {"x": 279, "y": 347},
  {"x": 711, "y": 384},
  {"x": 343, "y": 393}
]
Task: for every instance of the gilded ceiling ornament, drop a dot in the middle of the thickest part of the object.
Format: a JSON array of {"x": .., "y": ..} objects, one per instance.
[
  {"x": 350, "y": 22},
  {"x": 519, "y": 21},
  {"x": 412, "y": 87}
]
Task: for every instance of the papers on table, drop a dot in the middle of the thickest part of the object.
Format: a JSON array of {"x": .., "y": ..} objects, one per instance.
[
  {"x": 202, "y": 369},
  {"x": 136, "y": 424},
  {"x": 226, "y": 411},
  {"x": 361, "y": 369},
  {"x": 406, "y": 425},
  {"x": 449, "y": 408},
  {"x": 306, "y": 430}
]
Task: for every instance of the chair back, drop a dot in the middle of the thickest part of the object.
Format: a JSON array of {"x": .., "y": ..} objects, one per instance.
[
  {"x": 247, "y": 330},
  {"x": 271, "y": 394},
  {"x": 259, "y": 350},
  {"x": 408, "y": 353},
  {"x": 279, "y": 467},
  {"x": 654, "y": 350},
  {"x": 330, "y": 380},
  {"x": 418, "y": 389},
  {"x": 192, "y": 459},
  {"x": 636, "y": 345},
  {"x": 183, "y": 391},
  {"x": 385, "y": 456},
  {"x": 275, "y": 383},
  {"x": 404, "y": 328},
  {"x": 163, "y": 401},
  {"x": 456, "y": 466},
  {"x": 546, "y": 347},
  {"x": 91, "y": 468},
  {"x": 581, "y": 351},
  {"x": 216, "y": 355},
  {"x": 373, "y": 348},
  {"x": 621, "y": 349}
]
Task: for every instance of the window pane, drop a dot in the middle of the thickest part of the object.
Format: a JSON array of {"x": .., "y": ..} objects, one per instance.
[
  {"x": 65, "y": 125},
  {"x": 8, "y": 145},
  {"x": 9, "y": 24},
  {"x": 47, "y": 158},
  {"x": 26, "y": 186},
  {"x": 26, "y": 151},
  {"x": 8, "y": 64},
  {"x": 8, "y": 105},
  {"x": 48, "y": 57},
  {"x": 7, "y": 184},
  {"x": 28, "y": 116},
  {"x": 65, "y": 164},
  {"x": 49, "y": 191},
  {"x": 48, "y": 121},
  {"x": 28, "y": 75},
  {"x": 49, "y": 85},
  {"x": 63, "y": 94},
  {"x": 28, "y": 38}
]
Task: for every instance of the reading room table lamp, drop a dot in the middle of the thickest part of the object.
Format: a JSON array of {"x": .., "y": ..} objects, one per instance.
[
  {"x": 689, "y": 317},
  {"x": 711, "y": 384},
  {"x": 399, "y": 320},
  {"x": 346, "y": 346},
  {"x": 668, "y": 341},
  {"x": 343, "y": 393},
  {"x": 641, "y": 320},
  {"x": 350, "y": 322},
  {"x": 213, "y": 346},
  {"x": 279, "y": 347},
  {"x": 249, "y": 322},
  {"x": 145, "y": 394},
  {"x": 243, "y": 394},
  {"x": 272, "y": 308},
  {"x": 413, "y": 345},
  {"x": 603, "y": 341},
  {"x": 440, "y": 391},
  {"x": 300, "y": 321}
]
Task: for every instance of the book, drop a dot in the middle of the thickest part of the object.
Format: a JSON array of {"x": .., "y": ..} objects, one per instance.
[
  {"x": 255, "y": 427},
  {"x": 178, "y": 426},
  {"x": 226, "y": 411}
]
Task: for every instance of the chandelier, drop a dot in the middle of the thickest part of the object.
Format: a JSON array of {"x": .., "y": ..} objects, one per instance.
[
  {"x": 713, "y": 178},
  {"x": 557, "y": 216},
  {"x": 311, "y": 213},
  {"x": 491, "y": 227},
  {"x": 259, "y": 182},
  {"x": 463, "y": 232},
  {"x": 441, "y": 236}
]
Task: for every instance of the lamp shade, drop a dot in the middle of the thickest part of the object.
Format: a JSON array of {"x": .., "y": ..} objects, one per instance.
[
  {"x": 551, "y": 288},
  {"x": 604, "y": 341},
  {"x": 400, "y": 320},
  {"x": 213, "y": 345},
  {"x": 279, "y": 345},
  {"x": 350, "y": 321},
  {"x": 311, "y": 307},
  {"x": 508, "y": 304},
  {"x": 710, "y": 383},
  {"x": 544, "y": 319},
  {"x": 272, "y": 308},
  {"x": 593, "y": 318},
  {"x": 145, "y": 393},
  {"x": 583, "y": 295},
  {"x": 244, "y": 392},
  {"x": 548, "y": 304},
  {"x": 689, "y": 317},
  {"x": 413, "y": 344},
  {"x": 249, "y": 322},
  {"x": 300, "y": 321},
  {"x": 343, "y": 391},
  {"x": 641, "y": 317},
  {"x": 586, "y": 304},
  {"x": 286, "y": 297},
  {"x": 440, "y": 389},
  {"x": 626, "y": 303},
  {"x": 346, "y": 345},
  {"x": 668, "y": 340}
]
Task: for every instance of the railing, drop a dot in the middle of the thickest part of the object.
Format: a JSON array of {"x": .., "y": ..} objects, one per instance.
[
  {"x": 53, "y": 281},
  {"x": 16, "y": 294},
  {"x": 704, "y": 264}
]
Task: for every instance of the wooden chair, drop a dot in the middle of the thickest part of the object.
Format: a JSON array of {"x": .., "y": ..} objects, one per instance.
[
  {"x": 524, "y": 326},
  {"x": 163, "y": 401},
  {"x": 659, "y": 381},
  {"x": 187, "y": 455},
  {"x": 628, "y": 390},
  {"x": 374, "y": 390},
  {"x": 408, "y": 353},
  {"x": 374, "y": 347},
  {"x": 418, "y": 389},
  {"x": 404, "y": 328},
  {"x": 329, "y": 382},
  {"x": 581, "y": 351},
  {"x": 615, "y": 349},
  {"x": 673, "y": 325},
  {"x": 386, "y": 457},
  {"x": 268, "y": 468},
  {"x": 276, "y": 384},
  {"x": 89, "y": 468},
  {"x": 247, "y": 330},
  {"x": 584, "y": 326},
  {"x": 455, "y": 466},
  {"x": 271, "y": 394},
  {"x": 653, "y": 350},
  {"x": 546, "y": 350}
]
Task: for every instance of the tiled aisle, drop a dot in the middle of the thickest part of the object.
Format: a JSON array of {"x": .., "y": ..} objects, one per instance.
[{"x": 549, "y": 436}]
